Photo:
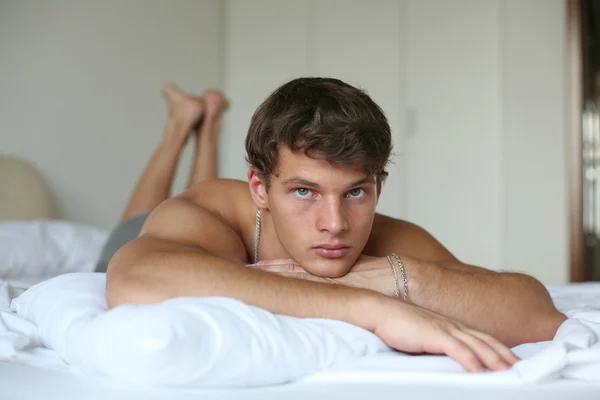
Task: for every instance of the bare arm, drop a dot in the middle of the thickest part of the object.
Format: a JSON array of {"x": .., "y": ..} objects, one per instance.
[
  {"x": 513, "y": 307},
  {"x": 185, "y": 250},
  {"x": 170, "y": 259}
]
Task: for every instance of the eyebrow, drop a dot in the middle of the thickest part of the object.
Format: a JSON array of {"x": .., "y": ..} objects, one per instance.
[{"x": 303, "y": 182}]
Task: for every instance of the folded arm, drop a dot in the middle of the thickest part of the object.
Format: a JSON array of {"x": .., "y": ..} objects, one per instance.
[
  {"x": 513, "y": 307},
  {"x": 187, "y": 251},
  {"x": 169, "y": 259}
]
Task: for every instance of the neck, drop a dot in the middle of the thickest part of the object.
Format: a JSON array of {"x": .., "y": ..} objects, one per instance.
[{"x": 270, "y": 247}]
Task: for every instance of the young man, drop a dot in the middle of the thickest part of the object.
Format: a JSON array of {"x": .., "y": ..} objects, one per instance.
[{"x": 317, "y": 150}]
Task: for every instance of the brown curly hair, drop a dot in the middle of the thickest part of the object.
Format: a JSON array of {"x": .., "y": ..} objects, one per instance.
[{"x": 324, "y": 118}]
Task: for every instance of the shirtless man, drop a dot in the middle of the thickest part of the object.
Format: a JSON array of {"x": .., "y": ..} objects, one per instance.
[{"x": 317, "y": 150}]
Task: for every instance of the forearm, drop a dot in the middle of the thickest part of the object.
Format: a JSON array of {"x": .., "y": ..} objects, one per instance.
[
  {"x": 137, "y": 275},
  {"x": 515, "y": 308}
]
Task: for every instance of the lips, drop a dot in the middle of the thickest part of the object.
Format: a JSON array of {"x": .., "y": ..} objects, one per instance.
[{"x": 331, "y": 251}]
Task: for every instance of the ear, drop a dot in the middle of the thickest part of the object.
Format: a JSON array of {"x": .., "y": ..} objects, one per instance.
[
  {"x": 258, "y": 188},
  {"x": 379, "y": 187}
]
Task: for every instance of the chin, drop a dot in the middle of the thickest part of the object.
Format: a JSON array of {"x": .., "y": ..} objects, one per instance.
[{"x": 330, "y": 268}]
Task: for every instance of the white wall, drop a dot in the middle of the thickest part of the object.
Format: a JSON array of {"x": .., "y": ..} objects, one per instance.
[
  {"x": 473, "y": 90},
  {"x": 474, "y": 93},
  {"x": 80, "y": 90},
  {"x": 269, "y": 42},
  {"x": 534, "y": 139},
  {"x": 486, "y": 155},
  {"x": 453, "y": 186},
  {"x": 265, "y": 46}
]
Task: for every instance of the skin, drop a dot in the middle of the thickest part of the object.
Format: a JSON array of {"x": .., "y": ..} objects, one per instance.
[
  {"x": 187, "y": 113},
  {"x": 198, "y": 243},
  {"x": 311, "y": 204}
]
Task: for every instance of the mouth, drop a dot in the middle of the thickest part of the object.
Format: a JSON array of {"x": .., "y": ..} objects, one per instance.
[{"x": 331, "y": 251}]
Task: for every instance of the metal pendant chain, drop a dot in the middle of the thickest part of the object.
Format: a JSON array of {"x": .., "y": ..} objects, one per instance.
[{"x": 257, "y": 236}]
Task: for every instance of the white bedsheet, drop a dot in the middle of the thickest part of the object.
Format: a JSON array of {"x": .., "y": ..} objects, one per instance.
[
  {"x": 222, "y": 342},
  {"x": 16, "y": 383}
]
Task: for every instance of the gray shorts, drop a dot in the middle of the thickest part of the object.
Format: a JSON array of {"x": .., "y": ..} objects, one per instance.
[{"x": 123, "y": 233}]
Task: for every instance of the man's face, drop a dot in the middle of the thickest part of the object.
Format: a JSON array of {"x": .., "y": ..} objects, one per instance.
[{"x": 322, "y": 213}]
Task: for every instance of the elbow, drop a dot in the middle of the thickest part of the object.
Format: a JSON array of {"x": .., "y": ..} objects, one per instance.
[
  {"x": 541, "y": 329},
  {"x": 118, "y": 292},
  {"x": 537, "y": 329},
  {"x": 119, "y": 285},
  {"x": 116, "y": 297},
  {"x": 543, "y": 319},
  {"x": 124, "y": 284},
  {"x": 549, "y": 325},
  {"x": 123, "y": 290}
]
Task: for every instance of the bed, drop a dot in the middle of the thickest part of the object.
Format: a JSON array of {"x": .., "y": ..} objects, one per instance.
[
  {"x": 58, "y": 257},
  {"x": 363, "y": 377},
  {"x": 24, "y": 382}
]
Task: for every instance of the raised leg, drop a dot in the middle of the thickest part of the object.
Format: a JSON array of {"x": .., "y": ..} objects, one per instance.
[
  {"x": 154, "y": 186},
  {"x": 205, "y": 165}
]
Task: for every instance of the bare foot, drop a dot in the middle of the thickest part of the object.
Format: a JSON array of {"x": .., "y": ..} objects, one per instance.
[
  {"x": 215, "y": 103},
  {"x": 183, "y": 106}
]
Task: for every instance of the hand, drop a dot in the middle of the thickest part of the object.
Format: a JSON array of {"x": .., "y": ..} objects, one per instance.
[
  {"x": 407, "y": 327},
  {"x": 414, "y": 329},
  {"x": 368, "y": 272}
]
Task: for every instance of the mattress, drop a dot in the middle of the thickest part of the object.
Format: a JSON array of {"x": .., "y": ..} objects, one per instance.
[
  {"x": 41, "y": 369},
  {"x": 364, "y": 377},
  {"x": 19, "y": 381}
]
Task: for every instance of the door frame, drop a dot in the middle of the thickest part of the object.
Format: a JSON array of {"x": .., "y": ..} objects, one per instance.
[{"x": 575, "y": 51}]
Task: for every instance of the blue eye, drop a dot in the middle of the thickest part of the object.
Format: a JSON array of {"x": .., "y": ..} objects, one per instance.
[
  {"x": 356, "y": 193},
  {"x": 302, "y": 192}
]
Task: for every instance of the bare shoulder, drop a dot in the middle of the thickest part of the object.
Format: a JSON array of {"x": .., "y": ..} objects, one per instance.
[
  {"x": 203, "y": 217},
  {"x": 228, "y": 199},
  {"x": 217, "y": 189},
  {"x": 403, "y": 237}
]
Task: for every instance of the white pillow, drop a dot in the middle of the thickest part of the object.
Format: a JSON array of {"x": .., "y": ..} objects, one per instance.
[
  {"x": 33, "y": 251},
  {"x": 212, "y": 341}
]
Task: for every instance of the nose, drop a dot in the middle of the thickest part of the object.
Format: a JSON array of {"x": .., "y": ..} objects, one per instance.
[{"x": 332, "y": 217}]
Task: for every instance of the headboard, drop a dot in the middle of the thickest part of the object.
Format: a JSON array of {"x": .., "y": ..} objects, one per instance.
[{"x": 23, "y": 193}]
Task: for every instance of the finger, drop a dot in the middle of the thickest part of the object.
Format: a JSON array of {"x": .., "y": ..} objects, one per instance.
[
  {"x": 305, "y": 276},
  {"x": 487, "y": 354},
  {"x": 500, "y": 348},
  {"x": 280, "y": 268},
  {"x": 463, "y": 354},
  {"x": 275, "y": 262},
  {"x": 297, "y": 275}
]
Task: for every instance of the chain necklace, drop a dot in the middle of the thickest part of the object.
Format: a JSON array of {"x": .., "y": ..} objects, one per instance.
[{"x": 257, "y": 236}]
